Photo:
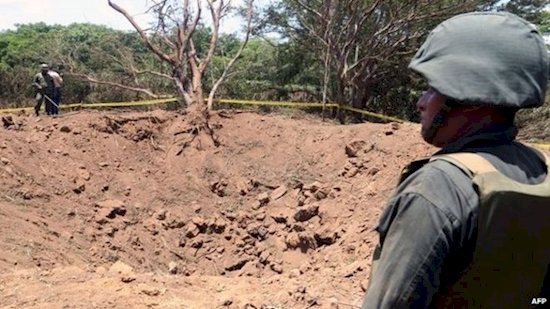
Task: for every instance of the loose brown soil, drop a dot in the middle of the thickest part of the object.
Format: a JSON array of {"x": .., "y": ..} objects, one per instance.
[{"x": 117, "y": 210}]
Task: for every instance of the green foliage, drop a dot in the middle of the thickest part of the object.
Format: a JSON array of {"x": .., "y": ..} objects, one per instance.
[
  {"x": 15, "y": 86},
  {"x": 272, "y": 71},
  {"x": 93, "y": 50},
  {"x": 534, "y": 124},
  {"x": 29, "y": 43},
  {"x": 364, "y": 46},
  {"x": 532, "y": 10},
  {"x": 201, "y": 38},
  {"x": 544, "y": 22}
]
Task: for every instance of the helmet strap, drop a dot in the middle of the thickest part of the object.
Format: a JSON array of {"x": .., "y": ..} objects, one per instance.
[{"x": 438, "y": 120}]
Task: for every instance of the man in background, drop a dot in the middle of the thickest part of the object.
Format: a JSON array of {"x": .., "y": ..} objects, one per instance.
[
  {"x": 58, "y": 83},
  {"x": 44, "y": 87}
]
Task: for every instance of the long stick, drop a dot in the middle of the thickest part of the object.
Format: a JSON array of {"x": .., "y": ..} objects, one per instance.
[{"x": 51, "y": 101}]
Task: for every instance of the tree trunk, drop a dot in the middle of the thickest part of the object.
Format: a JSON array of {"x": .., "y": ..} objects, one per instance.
[
  {"x": 340, "y": 99},
  {"x": 359, "y": 100}
]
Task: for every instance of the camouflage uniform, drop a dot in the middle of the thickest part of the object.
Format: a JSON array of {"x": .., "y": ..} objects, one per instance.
[{"x": 429, "y": 228}]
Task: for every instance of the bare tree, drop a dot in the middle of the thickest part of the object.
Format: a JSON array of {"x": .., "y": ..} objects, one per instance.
[
  {"x": 357, "y": 40},
  {"x": 171, "y": 39}
]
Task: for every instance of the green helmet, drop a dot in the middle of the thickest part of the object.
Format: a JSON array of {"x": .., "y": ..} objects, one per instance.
[
  {"x": 44, "y": 66},
  {"x": 486, "y": 58}
]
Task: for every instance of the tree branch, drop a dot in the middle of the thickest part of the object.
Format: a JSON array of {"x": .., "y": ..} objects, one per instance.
[
  {"x": 139, "y": 72},
  {"x": 142, "y": 34},
  {"x": 118, "y": 85},
  {"x": 249, "y": 15},
  {"x": 216, "y": 13}
]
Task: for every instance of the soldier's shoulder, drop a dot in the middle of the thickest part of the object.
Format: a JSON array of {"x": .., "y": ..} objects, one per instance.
[{"x": 441, "y": 183}]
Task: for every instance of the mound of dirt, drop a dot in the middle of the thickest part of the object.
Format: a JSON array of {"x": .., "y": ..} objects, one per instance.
[{"x": 110, "y": 210}]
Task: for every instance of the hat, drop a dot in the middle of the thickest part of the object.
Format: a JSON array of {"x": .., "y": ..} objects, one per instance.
[{"x": 490, "y": 58}]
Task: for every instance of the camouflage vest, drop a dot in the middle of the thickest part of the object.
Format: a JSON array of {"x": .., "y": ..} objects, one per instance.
[
  {"x": 512, "y": 253},
  {"x": 44, "y": 81}
]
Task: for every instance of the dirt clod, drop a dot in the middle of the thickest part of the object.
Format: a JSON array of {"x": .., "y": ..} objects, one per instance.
[
  {"x": 65, "y": 129},
  {"x": 304, "y": 214}
]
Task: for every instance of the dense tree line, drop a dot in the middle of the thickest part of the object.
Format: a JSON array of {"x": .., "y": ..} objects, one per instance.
[{"x": 347, "y": 51}]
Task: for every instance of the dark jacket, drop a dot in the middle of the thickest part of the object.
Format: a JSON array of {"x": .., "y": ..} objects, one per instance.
[{"x": 427, "y": 231}]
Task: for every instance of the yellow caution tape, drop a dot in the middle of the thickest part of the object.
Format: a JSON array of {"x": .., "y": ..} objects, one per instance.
[
  {"x": 275, "y": 103},
  {"x": 301, "y": 104},
  {"x": 223, "y": 101},
  {"x": 231, "y": 101},
  {"x": 119, "y": 104},
  {"x": 364, "y": 112},
  {"x": 85, "y": 105},
  {"x": 15, "y": 110}
]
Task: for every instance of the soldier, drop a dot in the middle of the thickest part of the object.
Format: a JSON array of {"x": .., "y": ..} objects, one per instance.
[
  {"x": 44, "y": 87},
  {"x": 468, "y": 227}
]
